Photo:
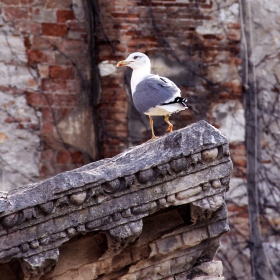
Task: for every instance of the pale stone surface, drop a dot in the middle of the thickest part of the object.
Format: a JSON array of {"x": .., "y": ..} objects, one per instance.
[
  {"x": 225, "y": 12},
  {"x": 107, "y": 68},
  {"x": 19, "y": 159},
  {"x": 238, "y": 192},
  {"x": 12, "y": 48},
  {"x": 210, "y": 155},
  {"x": 79, "y": 9},
  {"x": 211, "y": 270},
  {"x": 29, "y": 49},
  {"x": 18, "y": 76},
  {"x": 265, "y": 42},
  {"x": 214, "y": 268},
  {"x": 44, "y": 15},
  {"x": 230, "y": 119},
  {"x": 75, "y": 124},
  {"x": 165, "y": 67},
  {"x": 222, "y": 73},
  {"x": 229, "y": 14},
  {"x": 78, "y": 198}
]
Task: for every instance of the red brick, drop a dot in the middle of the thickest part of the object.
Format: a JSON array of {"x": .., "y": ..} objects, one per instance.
[
  {"x": 63, "y": 157},
  {"x": 234, "y": 25},
  {"x": 125, "y": 15},
  {"x": 238, "y": 154},
  {"x": 60, "y": 72},
  {"x": 43, "y": 43},
  {"x": 47, "y": 155},
  {"x": 143, "y": 40},
  {"x": 84, "y": 37},
  {"x": 159, "y": 4},
  {"x": 59, "y": 4},
  {"x": 46, "y": 170},
  {"x": 76, "y": 46},
  {"x": 47, "y": 128},
  {"x": 12, "y": 90},
  {"x": 10, "y": 2},
  {"x": 37, "y": 56},
  {"x": 77, "y": 157},
  {"x": 47, "y": 113},
  {"x": 29, "y": 27},
  {"x": 120, "y": 48},
  {"x": 54, "y": 29},
  {"x": 75, "y": 25},
  {"x": 64, "y": 15},
  {"x": 12, "y": 13},
  {"x": 65, "y": 100},
  {"x": 20, "y": 126},
  {"x": 17, "y": 120},
  {"x": 43, "y": 70},
  {"x": 238, "y": 211},
  {"x": 39, "y": 100},
  {"x": 61, "y": 113},
  {"x": 235, "y": 86},
  {"x": 133, "y": 33},
  {"x": 27, "y": 2},
  {"x": 206, "y": 6},
  {"x": 33, "y": 126},
  {"x": 27, "y": 42},
  {"x": 212, "y": 42},
  {"x": 225, "y": 95},
  {"x": 233, "y": 37},
  {"x": 73, "y": 86},
  {"x": 54, "y": 85}
]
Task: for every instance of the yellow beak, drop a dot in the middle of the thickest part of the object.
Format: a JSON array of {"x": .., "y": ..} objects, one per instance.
[{"x": 122, "y": 63}]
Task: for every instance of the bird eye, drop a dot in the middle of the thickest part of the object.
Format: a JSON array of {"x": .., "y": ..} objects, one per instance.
[{"x": 135, "y": 57}]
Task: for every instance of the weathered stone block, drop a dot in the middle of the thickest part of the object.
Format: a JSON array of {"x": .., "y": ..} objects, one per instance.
[
  {"x": 113, "y": 196},
  {"x": 169, "y": 244},
  {"x": 54, "y": 29},
  {"x": 195, "y": 237}
]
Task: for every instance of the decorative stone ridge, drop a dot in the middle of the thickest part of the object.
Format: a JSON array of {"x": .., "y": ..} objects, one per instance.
[{"x": 190, "y": 166}]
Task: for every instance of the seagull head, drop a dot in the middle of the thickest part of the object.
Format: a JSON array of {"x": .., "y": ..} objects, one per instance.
[{"x": 136, "y": 61}]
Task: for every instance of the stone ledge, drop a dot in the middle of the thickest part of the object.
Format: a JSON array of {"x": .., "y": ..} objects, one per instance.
[{"x": 189, "y": 166}]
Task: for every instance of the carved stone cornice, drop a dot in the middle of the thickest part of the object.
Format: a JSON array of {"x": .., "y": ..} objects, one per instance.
[{"x": 191, "y": 165}]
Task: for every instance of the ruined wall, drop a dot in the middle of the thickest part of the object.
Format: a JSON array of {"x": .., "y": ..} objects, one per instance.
[
  {"x": 195, "y": 43},
  {"x": 44, "y": 60},
  {"x": 43, "y": 77},
  {"x": 265, "y": 57}
]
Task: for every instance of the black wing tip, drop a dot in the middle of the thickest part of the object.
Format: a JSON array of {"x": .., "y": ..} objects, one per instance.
[{"x": 178, "y": 99}]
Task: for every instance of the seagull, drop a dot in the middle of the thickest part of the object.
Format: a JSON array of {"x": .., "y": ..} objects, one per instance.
[{"x": 152, "y": 95}]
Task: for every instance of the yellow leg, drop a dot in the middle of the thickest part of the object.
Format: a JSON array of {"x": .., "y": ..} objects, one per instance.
[
  {"x": 170, "y": 125},
  {"x": 152, "y": 129}
]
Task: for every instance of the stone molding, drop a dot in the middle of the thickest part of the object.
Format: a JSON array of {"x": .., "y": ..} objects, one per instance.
[{"x": 188, "y": 166}]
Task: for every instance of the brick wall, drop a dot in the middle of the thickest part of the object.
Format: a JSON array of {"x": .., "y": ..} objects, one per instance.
[
  {"x": 43, "y": 61},
  {"x": 199, "y": 37},
  {"x": 46, "y": 54}
]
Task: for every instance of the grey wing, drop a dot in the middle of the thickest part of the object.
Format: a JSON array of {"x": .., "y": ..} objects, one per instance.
[{"x": 154, "y": 91}]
